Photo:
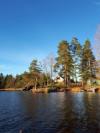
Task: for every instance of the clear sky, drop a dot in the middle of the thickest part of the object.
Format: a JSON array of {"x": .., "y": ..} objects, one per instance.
[{"x": 33, "y": 28}]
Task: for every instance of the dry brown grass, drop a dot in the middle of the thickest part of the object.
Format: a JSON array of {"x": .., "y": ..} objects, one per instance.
[{"x": 76, "y": 89}]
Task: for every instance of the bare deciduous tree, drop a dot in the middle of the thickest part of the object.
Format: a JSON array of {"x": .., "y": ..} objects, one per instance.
[{"x": 97, "y": 43}]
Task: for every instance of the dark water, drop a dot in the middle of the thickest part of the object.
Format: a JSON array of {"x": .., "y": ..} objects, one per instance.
[{"x": 49, "y": 113}]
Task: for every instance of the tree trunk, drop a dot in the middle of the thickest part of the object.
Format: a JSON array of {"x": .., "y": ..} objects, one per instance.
[
  {"x": 66, "y": 77},
  {"x": 35, "y": 83},
  {"x": 65, "y": 80}
]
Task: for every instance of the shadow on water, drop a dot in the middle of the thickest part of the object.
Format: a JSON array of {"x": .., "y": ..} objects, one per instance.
[{"x": 49, "y": 113}]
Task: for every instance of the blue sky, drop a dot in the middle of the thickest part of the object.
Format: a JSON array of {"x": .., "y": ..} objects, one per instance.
[{"x": 33, "y": 28}]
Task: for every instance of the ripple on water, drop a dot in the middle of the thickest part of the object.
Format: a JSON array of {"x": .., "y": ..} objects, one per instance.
[{"x": 49, "y": 113}]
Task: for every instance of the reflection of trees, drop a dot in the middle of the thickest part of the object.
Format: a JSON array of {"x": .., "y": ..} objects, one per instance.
[
  {"x": 92, "y": 104},
  {"x": 73, "y": 113},
  {"x": 81, "y": 113},
  {"x": 62, "y": 112},
  {"x": 28, "y": 110}
]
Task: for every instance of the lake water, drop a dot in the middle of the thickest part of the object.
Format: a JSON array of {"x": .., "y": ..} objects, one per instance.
[{"x": 49, "y": 113}]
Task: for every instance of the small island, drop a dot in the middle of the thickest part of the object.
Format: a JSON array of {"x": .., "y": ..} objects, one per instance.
[{"x": 74, "y": 69}]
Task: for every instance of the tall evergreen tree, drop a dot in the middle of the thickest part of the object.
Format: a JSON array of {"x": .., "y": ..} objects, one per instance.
[
  {"x": 75, "y": 49},
  {"x": 35, "y": 70},
  {"x": 34, "y": 67},
  {"x": 88, "y": 63},
  {"x": 2, "y": 81},
  {"x": 64, "y": 62}
]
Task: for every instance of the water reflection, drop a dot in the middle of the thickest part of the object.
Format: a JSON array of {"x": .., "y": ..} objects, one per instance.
[{"x": 49, "y": 113}]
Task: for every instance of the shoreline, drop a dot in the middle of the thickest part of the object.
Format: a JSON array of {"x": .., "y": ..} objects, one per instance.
[
  {"x": 12, "y": 89},
  {"x": 48, "y": 90}
]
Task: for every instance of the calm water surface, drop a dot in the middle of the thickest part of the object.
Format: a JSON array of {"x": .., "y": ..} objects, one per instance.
[{"x": 49, "y": 113}]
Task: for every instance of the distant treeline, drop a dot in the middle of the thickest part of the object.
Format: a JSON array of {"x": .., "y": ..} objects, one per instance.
[
  {"x": 20, "y": 81},
  {"x": 75, "y": 63}
]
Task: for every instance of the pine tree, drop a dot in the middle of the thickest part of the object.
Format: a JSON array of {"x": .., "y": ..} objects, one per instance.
[
  {"x": 34, "y": 67},
  {"x": 1, "y": 81},
  {"x": 88, "y": 63},
  {"x": 35, "y": 71},
  {"x": 64, "y": 62},
  {"x": 75, "y": 49}
]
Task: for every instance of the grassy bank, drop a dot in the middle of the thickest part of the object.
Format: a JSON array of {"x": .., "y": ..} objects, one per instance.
[{"x": 11, "y": 89}]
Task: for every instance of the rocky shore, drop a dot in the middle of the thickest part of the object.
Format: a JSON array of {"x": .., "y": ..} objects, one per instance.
[{"x": 48, "y": 90}]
